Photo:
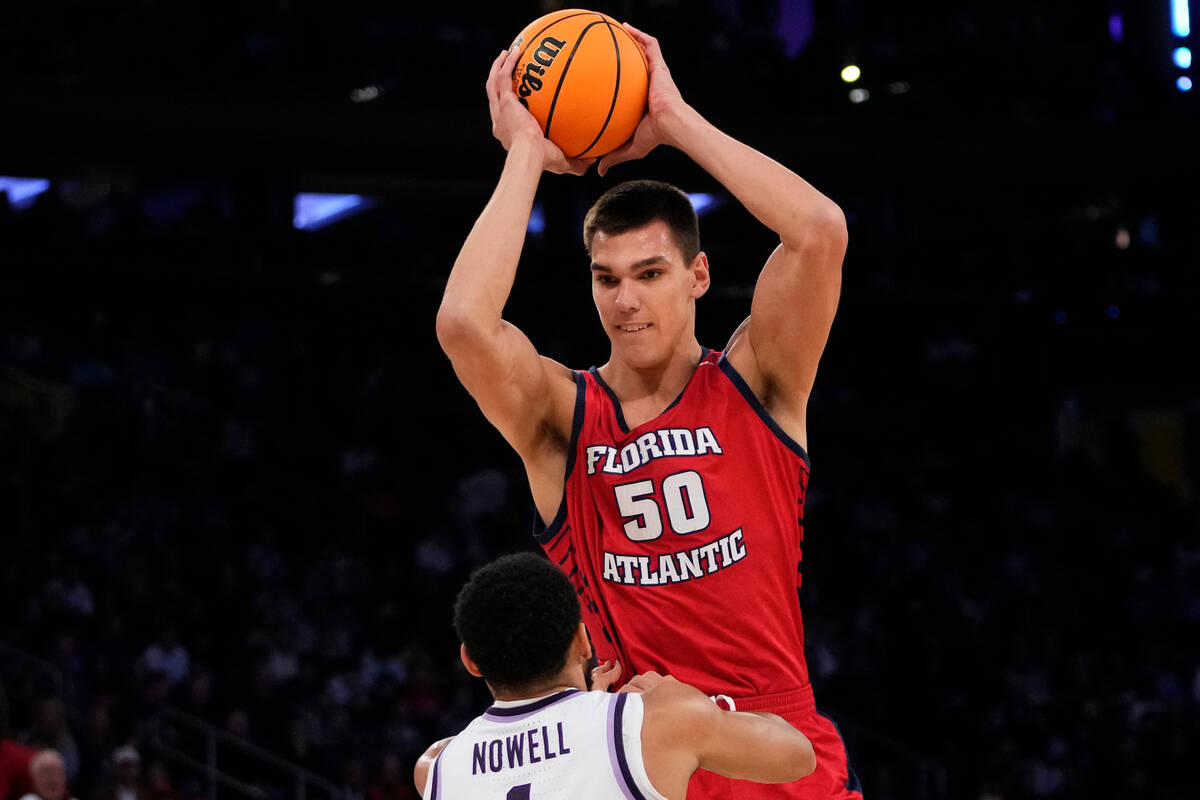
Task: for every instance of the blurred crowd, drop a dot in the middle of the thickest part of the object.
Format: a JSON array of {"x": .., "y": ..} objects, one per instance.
[{"x": 253, "y": 500}]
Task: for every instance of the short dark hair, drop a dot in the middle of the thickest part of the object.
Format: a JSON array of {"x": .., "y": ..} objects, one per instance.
[
  {"x": 636, "y": 203},
  {"x": 517, "y": 617}
]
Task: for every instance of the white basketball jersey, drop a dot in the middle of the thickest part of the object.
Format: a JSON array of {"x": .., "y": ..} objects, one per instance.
[{"x": 571, "y": 745}]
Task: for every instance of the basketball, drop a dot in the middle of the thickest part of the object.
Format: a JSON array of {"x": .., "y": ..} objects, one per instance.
[{"x": 584, "y": 79}]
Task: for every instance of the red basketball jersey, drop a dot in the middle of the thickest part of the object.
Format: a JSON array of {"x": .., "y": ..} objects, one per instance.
[{"x": 683, "y": 535}]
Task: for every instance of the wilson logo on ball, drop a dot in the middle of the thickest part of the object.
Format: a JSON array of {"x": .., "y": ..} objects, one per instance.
[
  {"x": 543, "y": 57},
  {"x": 584, "y": 79}
]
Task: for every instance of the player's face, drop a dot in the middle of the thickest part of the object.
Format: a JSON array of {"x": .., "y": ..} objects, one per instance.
[{"x": 645, "y": 292}]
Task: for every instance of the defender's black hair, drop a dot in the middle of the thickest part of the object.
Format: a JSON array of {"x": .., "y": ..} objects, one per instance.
[{"x": 517, "y": 616}]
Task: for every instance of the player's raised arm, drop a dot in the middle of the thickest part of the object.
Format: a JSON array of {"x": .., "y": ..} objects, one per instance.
[
  {"x": 684, "y": 730},
  {"x": 797, "y": 291},
  {"x": 494, "y": 360}
]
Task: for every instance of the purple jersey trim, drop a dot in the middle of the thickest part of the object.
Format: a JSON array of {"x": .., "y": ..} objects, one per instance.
[
  {"x": 437, "y": 778},
  {"x": 515, "y": 713},
  {"x": 616, "y": 748}
]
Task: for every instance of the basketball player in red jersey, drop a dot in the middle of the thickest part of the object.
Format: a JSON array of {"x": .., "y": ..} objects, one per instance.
[{"x": 671, "y": 480}]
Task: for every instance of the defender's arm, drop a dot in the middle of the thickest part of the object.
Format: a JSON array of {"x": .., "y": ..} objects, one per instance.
[
  {"x": 425, "y": 764},
  {"x": 684, "y": 730}
]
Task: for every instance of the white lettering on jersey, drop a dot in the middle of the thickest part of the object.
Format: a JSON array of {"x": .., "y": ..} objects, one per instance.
[
  {"x": 610, "y": 568},
  {"x": 663, "y": 443},
  {"x": 677, "y": 567},
  {"x": 705, "y": 441}
]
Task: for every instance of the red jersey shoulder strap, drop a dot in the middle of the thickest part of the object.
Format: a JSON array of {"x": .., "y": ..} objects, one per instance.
[
  {"x": 546, "y": 534},
  {"x": 756, "y": 405}
]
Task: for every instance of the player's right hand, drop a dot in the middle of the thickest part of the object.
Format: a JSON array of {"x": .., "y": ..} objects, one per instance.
[
  {"x": 605, "y": 675},
  {"x": 512, "y": 122},
  {"x": 664, "y": 103}
]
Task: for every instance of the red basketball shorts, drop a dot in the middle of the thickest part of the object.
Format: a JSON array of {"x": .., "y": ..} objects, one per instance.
[{"x": 832, "y": 780}]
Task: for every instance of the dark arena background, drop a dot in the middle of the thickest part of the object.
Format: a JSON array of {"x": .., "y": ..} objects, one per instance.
[{"x": 240, "y": 485}]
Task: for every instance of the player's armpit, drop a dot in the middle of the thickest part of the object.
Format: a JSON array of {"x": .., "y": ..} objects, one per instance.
[{"x": 425, "y": 763}]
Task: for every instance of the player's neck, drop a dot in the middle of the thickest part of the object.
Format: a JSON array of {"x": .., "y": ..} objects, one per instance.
[
  {"x": 660, "y": 382},
  {"x": 560, "y": 683}
]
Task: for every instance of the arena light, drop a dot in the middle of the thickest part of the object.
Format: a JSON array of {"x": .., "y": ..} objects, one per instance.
[
  {"x": 1116, "y": 27},
  {"x": 704, "y": 202},
  {"x": 537, "y": 220},
  {"x": 365, "y": 94},
  {"x": 851, "y": 73},
  {"x": 23, "y": 191},
  {"x": 1181, "y": 18},
  {"x": 1182, "y": 57},
  {"x": 312, "y": 211},
  {"x": 859, "y": 95},
  {"x": 1184, "y": 84}
]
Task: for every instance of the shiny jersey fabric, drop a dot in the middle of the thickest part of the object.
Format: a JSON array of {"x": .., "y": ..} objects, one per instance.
[
  {"x": 683, "y": 535},
  {"x": 571, "y": 745}
]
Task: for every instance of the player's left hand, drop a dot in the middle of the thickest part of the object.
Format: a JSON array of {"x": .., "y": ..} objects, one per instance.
[
  {"x": 605, "y": 675},
  {"x": 663, "y": 103},
  {"x": 645, "y": 682}
]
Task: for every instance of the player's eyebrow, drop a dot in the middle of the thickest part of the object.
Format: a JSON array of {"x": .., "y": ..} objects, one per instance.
[{"x": 645, "y": 262}]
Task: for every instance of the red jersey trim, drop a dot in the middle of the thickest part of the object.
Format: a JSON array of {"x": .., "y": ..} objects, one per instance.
[{"x": 744, "y": 389}]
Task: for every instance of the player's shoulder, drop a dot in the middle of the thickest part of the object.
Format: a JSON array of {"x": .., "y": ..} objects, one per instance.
[{"x": 672, "y": 707}]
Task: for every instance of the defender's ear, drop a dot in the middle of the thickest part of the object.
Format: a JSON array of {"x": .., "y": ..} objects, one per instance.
[
  {"x": 581, "y": 643},
  {"x": 468, "y": 662}
]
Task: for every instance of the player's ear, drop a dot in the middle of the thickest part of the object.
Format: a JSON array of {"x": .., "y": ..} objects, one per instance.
[
  {"x": 468, "y": 662},
  {"x": 700, "y": 275},
  {"x": 581, "y": 643}
]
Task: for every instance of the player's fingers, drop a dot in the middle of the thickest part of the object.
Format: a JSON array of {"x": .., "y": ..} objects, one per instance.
[
  {"x": 495, "y": 68},
  {"x": 636, "y": 685},
  {"x": 579, "y": 166},
  {"x": 647, "y": 41},
  {"x": 491, "y": 86},
  {"x": 511, "y": 57},
  {"x": 502, "y": 69},
  {"x": 611, "y": 160},
  {"x": 626, "y": 152}
]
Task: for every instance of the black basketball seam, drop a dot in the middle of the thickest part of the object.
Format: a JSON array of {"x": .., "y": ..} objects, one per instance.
[
  {"x": 521, "y": 54},
  {"x": 616, "y": 91},
  {"x": 563, "y": 76}
]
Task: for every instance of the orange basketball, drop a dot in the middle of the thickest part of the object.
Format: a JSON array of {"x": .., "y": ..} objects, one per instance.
[{"x": 583, "y": 77}]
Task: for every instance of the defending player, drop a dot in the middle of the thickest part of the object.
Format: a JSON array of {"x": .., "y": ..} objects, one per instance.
[
  {"x": 545, "y": 737},
  {"x": 671, "y": 479}
]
